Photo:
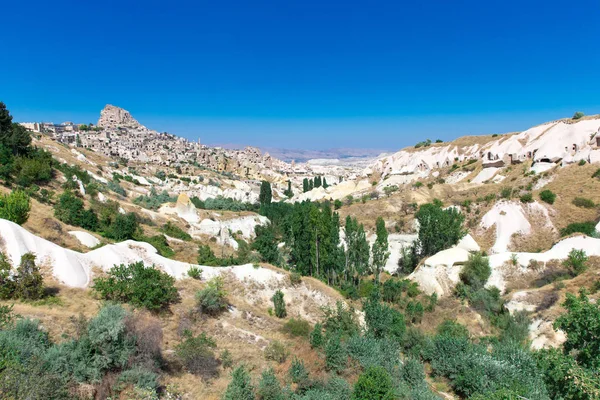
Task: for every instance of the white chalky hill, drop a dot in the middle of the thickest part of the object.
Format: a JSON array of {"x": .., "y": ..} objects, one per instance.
[{"x": 564, "y": 141}]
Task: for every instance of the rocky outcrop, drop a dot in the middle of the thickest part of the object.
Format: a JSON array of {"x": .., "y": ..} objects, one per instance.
[{"x": 115, "y": 117}]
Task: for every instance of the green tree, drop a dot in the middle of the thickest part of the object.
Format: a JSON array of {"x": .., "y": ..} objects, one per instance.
[
  {"x": 578, "y": 115},
  {"x": 374, "y": 384},
  {"x": 576, "y": 261},
  {"x": 69, "y": 208},
  {"x": 439, "y": 229},
  {"x": 476, "y": 271},
  {"x": 305, "y": 185},
  {"x": 269, "y": 387},
  {"x": 206, "y": 256},
  {"x": 212, "y": 300},
  {"x": 240, "y": 387},
  {"x": 12, "y": 135},
  {"x": 29, "y": 281},
  {"x": 379, "y": 249},
  {"x": 265, "y": 243},
  {"x": 138, "y": 285},
  {"x": 288, "y": 192},
  {"x": 581, "y": 323},
  {"x": 15, "y": 206},
  {"x": 279, "y": 304},
  {"x": 266, "y": 194},
  {"x": 336, "y": 356},
  {"x": 325, "y": 185}
]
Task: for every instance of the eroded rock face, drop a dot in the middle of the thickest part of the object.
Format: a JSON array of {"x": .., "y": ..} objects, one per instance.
[{"x": 116, "y": 117}]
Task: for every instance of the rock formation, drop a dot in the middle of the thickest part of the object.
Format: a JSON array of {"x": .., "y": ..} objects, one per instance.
[{"x": 116, "y": 117}]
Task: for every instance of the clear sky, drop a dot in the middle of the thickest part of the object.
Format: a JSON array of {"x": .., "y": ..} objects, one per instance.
[{"x": 304, "y": 74}]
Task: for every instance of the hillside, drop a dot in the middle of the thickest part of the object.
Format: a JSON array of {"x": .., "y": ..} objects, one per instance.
[{"x": 440, "y": 271}]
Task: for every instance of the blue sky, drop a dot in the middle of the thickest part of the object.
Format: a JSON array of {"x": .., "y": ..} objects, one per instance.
[{"x": 304, "y": 74}]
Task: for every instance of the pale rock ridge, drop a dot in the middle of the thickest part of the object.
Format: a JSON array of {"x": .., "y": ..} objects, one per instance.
[
  {"x": 116, "y": 117},
  {"x": 563, "y": 141}
]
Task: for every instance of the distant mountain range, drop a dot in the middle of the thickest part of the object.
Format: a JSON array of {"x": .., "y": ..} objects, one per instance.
[{"x": 300, "y": 155}]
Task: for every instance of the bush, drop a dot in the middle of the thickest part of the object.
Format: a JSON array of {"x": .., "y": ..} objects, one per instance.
[
  {"x": 548, "y": 196},
  {"x": 212, "y": 299},
  {"x": 159, "y": 242},
  {"x": 15, "y": 207},
  {"x": 383, "y": 321},
  {"x": 138, "y": 285},
  {"x": 197, "y": 355},
  {"x": 596, "y": 174},
  {"x": 122, "y": 227},
  {"x": 297, "y": 327},
  {"x": 140, "y": 378},
  {"x": 154, "y": 200},
  {"x": 526, "y": 198},
  {"x": 337, "y": 204},
  {"x": 583, "y": 202},
  {"x": 29, "y": 282},
  {"x": 195, "y": 272},
  {"x": 33, "y": 169},
  {"x": 506, "y": 193},
  {"x": 240, "y": 387},
  {"x": 580, "y": 323},
  {"x": 172, "y": 230},
  {"x": 336, "y": 356},
  {"x": 476, "y": 271},
  {"x": 226, "y": 359},
  {"x": 588, "y": 228},
  {"x": 576, "y": 261},
  {"x": 269, "y": 387},
  {"x": 298, "y": 374},
  {"x": 578, "y": 115},
  {"x": 316, "y": 336},
  {"x": 453, "y": 329},
  {"x": 115, "y": 187},
  {"x": 276, "y": 351},
  {"x": 295, "y": 278},
  {"x": 374, "y": 384}
]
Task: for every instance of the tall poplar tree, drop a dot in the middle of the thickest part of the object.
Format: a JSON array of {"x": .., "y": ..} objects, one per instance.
[{"x": 379, "y": 249}]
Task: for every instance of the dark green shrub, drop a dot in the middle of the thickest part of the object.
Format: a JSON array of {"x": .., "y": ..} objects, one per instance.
[
  {"x": 578, "y": 115},
  {"x": 374, "y": 384},
  {"x": 269, "y": 387},
  {"x": 123, "y": 227},
  {"x": 382, "y": 320},
  {"x": 154, "y": 200},
  {"x": 476, "y": 271},
  {"x": 506, "y": 193},
  {"x": 580, "y": 323},
  {"x": 159, "y": 242},
  {"x": 298, "y": 373},
  {"x": 452, "y": 328},
  {"x": 240, "y": 387},
  {"x": 15, "y": 207},
  {"x": 576, "y": 261},
  {"x": 139, "y": 377},
  {"x": 596, "y": 174},
  {"x": 336, "y": 356},
  {"x": 581, "y": 163},
  {"x": 196, "y": 353},
  {"x": 195, "y": 273},
  {"x": 212, "y": 300},
  {"x": 583, "y": 202},
  {"x": 337, "y": 204},
  {"x": 548, "y": 196},
  {"x": 316, "y": 336},
  {"x": 414, "y": 311},
  {"x": 29, "y": 281},
  {"x": 365, "y": 288},
  {"x": 297, "y": 327},
  {"x": 526, "y": 198},
  {"x": 68, "y": 209},
  {"x": 342, "y": 320},
  {"x": 226, "y": 359},
  {"x": 172, "y": 230},
  {"x": 138, "y": 285},
  {"x": 588, "y": 228},
  {"x": 295, "y": 279},
  {"x": 392, "y": 290},
  {"x": 279, "y": 304},
  {"x": 276, "y": 351}
]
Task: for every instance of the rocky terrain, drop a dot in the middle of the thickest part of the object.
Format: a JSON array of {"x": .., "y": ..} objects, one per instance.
[{"x": 525, "y": 203}]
